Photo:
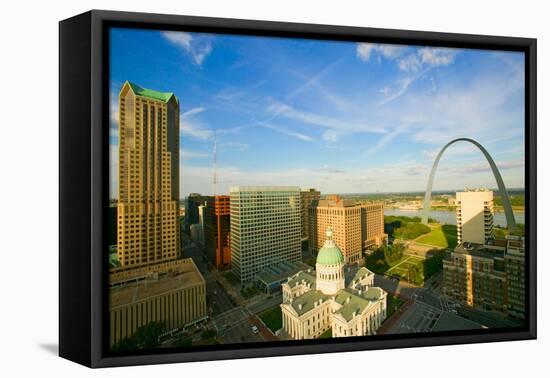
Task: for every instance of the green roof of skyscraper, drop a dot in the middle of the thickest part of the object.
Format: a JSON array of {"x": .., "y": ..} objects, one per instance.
[{"x": 150, "y": 93}]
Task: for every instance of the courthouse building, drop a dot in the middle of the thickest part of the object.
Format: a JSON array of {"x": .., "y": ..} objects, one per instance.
[{"x": 315, "y": 301}]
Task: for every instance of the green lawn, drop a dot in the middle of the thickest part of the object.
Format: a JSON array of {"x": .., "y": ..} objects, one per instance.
[
  {"x": 327, "y": 334},
  {"x": 273, "y": 318},
  {"x": 443, "y": 236}
]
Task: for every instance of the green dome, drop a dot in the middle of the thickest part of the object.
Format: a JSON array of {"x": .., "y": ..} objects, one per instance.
[{"x": 330, "y": 254}]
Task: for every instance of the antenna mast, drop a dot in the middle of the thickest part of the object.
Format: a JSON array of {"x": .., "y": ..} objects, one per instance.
[{"x": 215, "y": 161}]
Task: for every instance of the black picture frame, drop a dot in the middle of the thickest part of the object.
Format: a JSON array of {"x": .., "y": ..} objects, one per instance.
[{"x": 83, "y": 181}]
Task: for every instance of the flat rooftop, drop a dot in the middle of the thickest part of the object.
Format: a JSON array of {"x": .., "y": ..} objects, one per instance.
[
  {"x": 480, "y": 250},
  {"x": 187, "y": 275},
  {"x": 281, "y": 271},
  {"x": 234, "y": 189}
]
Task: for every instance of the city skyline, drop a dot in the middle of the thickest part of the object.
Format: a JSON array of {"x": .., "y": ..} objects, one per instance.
[{"x": 332, "y": 106}]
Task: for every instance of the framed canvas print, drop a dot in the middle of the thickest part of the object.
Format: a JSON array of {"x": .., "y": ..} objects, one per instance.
[{"x": 233, "y": 188}]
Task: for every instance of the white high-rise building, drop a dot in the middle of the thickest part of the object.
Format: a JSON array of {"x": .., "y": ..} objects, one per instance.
[
  {"x": 265, "y": 228},
  {"x": 474, "y": 216}
]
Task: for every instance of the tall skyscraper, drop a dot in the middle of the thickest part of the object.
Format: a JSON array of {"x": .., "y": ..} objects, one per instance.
[
  {"x": 265, "y": 228},
  {"x": 474, "y": 216},
  {"x": 356, "y": 227},
  {"x": 307, "y": 198},
  {"x": 148, "y": 177}
]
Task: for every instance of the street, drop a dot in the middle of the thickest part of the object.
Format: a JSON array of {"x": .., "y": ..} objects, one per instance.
[{"x": 233, "y": 323}]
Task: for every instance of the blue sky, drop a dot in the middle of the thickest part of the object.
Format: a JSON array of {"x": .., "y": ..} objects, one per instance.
[{"x": 342, "y": 117}]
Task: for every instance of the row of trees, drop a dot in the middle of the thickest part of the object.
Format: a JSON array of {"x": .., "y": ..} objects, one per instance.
[
  {"x": 411, "y": 231},
  {"x": 381, "y": 259},
  {"x": 145, "y": 337},
  {"x": 406, "y": 228}
]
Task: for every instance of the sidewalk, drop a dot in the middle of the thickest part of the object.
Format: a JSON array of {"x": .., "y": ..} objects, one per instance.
[
  {"x": 389, "y": 323},
  {"x": 265, "y": 332}
]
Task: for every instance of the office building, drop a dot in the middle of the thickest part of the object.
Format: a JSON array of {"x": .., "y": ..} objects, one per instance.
[
  {"x": 474, "y": 216},
  {"x": 307, "y": 198},
  {"x": 192, "y": 203},
  {"x": 173, "y": 294},
  {"x": 148, "y": 177},
  {"x": 357, "y": 227},
  {"x": 265, "y": 228},
  {"x": 489, "y": 276},
  {"x": 217, "y": 236},
  {"x": 514, "y": 263},
  {"x": 315, "y": 301}
]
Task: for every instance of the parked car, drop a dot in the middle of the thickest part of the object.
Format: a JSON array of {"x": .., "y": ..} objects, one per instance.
[{"x": 255, "y": 329}]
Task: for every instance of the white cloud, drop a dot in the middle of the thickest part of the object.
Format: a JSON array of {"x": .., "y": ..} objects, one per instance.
[
  {"x": 427, "y": 57},
  {"x": 188, "y": 154},
  {"x": 435, "y": 57},
  {"x": 286, "y": 131},
  {"x": 195, "y": 131},
  {"x": 418, "y": 63},
  {"x": 410, "y": 63},
  {"x": 192, "y": 112},
  {"x": 385, "y": 91},
  {"x": 199, "y": 49},
  {"x": 330, "y": 136},
  {"x": 113, "y": 116},
  {"x": 397, "y": 177},
  {"x": 364, "y": 51},
  {"x": 113, "y": 171},
  {"x": 403, "y": 86},
  {"x": 482, "y": 166},
  {"x": 288, "y": 111},
  {"x": 390, "y": 51},
  {"x": 238, "y": 146},
  {"x": 192, "y": 129},
  {"x": 113, "y": 110}
]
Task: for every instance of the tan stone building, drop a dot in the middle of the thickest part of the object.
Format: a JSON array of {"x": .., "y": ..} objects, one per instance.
[
  {"x": 315, "y": 301},
  {"x": 356, "y": 227},
  {"x": 307, "y": 198},
  {"x": 474, "y": 215},
  {"x": 148, "y": 177},
  {"x": 489, "y": 276},
  {"x": 174, "y": 294}
]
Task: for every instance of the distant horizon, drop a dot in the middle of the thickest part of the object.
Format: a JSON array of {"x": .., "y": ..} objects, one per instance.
[
  {"x": 341, "y": 117},
  {"x": 439, "y": 191}
]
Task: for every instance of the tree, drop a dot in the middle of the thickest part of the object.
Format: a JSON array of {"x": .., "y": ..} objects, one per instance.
[
  {"x": 393, "y": 253},
  {"x": 415, "y": 275},
  {"x": 148, "y": 335}
]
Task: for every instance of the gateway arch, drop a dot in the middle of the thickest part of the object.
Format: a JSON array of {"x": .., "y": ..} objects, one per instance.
[{"x": 510, "y": 220}]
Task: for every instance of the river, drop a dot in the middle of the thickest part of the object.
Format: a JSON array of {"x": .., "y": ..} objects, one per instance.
[{"x": 449, "y": 217}]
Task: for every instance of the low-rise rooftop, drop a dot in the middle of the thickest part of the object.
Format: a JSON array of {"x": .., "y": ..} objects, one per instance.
[
  {"x": 480, "y": 250},
  {"x": 187, "y": 275},
  {"x": 307, "y": 301},
  {"x": 281, "y": 271}
]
